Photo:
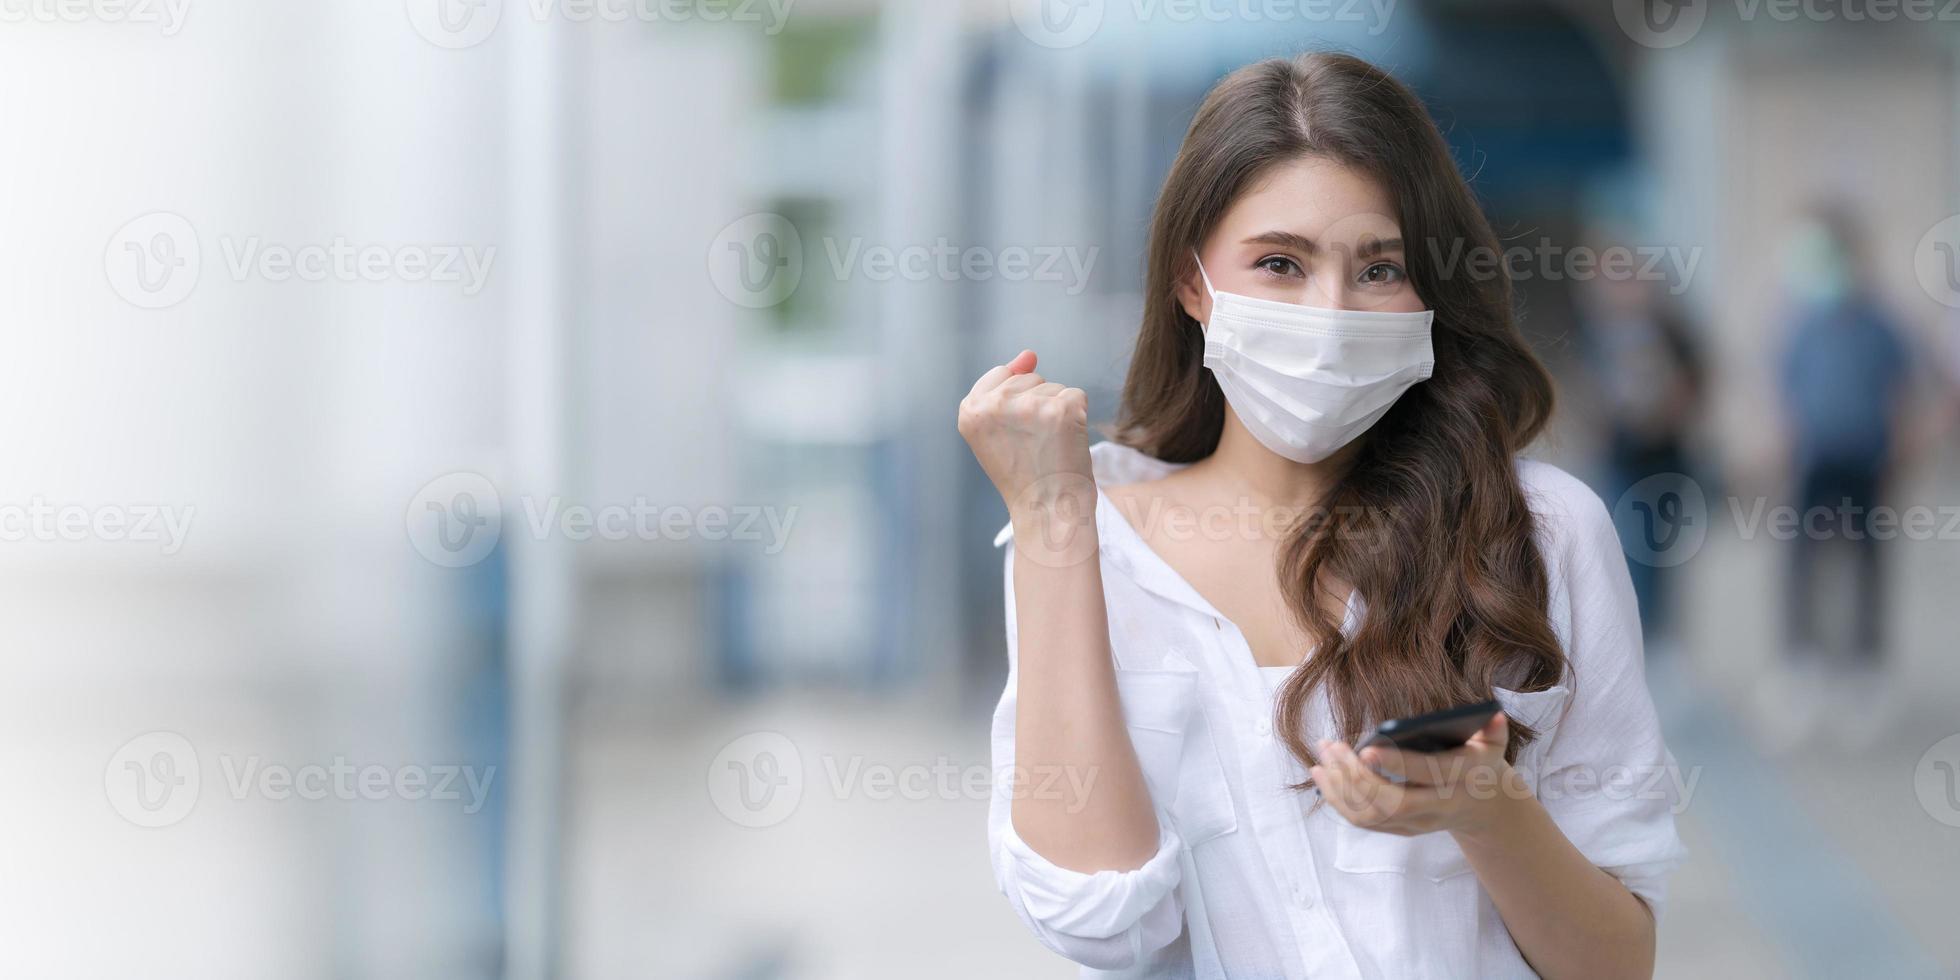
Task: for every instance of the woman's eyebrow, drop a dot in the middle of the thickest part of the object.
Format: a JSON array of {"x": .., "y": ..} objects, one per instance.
[
  {"x": 1378, "y": 246},
  {"x": 1284, "y": 239},
  {"x": 1369, "y": 248}
]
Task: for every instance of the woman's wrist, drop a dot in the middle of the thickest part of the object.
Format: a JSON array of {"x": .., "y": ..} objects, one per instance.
[
  {"x": 1056, "y": 525},
  {"x": 1497, "y": 816},
  {"x": 1055, "y": 501}
]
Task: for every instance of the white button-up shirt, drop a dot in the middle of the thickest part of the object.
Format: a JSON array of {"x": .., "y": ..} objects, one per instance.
[{"x": 1249, "y": 879}]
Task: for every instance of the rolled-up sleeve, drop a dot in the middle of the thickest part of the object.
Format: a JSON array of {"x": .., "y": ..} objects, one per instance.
[
  {"x": 1608, "y": 779},
  {"x": 1107, "y": 920}
]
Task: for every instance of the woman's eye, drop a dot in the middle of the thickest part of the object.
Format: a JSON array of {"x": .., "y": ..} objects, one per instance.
[
  {"x": 1279, "y": 265},
  {"x": 1383, "y": 274}
]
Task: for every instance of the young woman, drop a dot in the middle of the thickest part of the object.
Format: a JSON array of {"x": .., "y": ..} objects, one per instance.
[{"x": 1313, "y": 518}]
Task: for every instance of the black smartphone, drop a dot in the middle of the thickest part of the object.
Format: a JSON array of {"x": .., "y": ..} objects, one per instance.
[{"x": 1437, "y": 731}]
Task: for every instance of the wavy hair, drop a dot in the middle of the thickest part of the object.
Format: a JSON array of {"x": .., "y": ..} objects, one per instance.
[{"x": 1428, "y": 522}]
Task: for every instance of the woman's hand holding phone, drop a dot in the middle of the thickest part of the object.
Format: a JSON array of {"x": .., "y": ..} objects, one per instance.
[
  {"x": 1031, "y": 436},
  {"x": 1461, "y": 790}
]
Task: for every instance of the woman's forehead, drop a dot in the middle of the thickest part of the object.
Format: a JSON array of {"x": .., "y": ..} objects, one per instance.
[{"x": 1313, "y": 198}]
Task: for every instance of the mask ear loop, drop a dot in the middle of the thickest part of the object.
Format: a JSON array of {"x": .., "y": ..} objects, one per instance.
[{"x": 1213, "y": 293}]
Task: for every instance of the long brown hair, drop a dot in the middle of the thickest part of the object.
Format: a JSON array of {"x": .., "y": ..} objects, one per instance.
[{"x": 1428, "y": 522}]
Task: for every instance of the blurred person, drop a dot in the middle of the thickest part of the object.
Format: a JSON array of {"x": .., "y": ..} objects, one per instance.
[
  {"x": 1843, "y": 373},
  {"x": 1644, "y": 364},
  {"x": 1188, "y": 675},
  {"x": 1945, "y": 415}
]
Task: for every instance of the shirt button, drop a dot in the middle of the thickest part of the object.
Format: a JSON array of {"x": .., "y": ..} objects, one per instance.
[
  {"x": 1263, "y": 726},
  {"x": 1303, "y": 897}
]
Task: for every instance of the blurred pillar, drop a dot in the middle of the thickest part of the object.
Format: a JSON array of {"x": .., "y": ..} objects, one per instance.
[
  {"x": 919, "y": 117},
  {"x": 541, "y": 569}
]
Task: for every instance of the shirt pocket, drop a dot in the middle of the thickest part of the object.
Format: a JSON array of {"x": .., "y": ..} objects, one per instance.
[
  {"x": 1436, "y": 856},
  {"x": 1179, "y": 758},
  {"x": 1542, "y": 710},
  {"x": 1432, "y": 856}
]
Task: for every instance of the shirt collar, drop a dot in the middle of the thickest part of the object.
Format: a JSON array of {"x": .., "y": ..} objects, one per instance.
[{"x": 1114, "y": 465}]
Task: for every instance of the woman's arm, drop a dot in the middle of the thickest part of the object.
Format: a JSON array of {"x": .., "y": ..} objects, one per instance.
[
  {"x": 1576, "y": 868},
  {"x": 1069, "y": 719},
  {"x": 1569, "y": 918},
  {"x": 1031, "y": 437}
]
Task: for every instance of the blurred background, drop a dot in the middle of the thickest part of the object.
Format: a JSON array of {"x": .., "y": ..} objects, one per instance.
[{"x": 482, "y": 496}]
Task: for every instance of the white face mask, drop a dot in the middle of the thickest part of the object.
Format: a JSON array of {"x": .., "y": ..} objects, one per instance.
[{"x": 1306, "y": 381}]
